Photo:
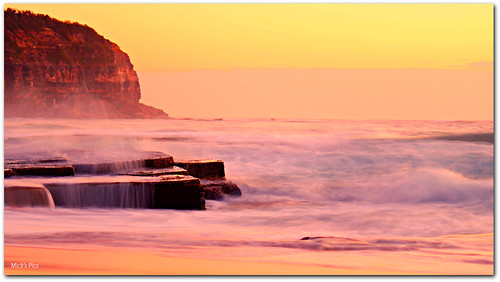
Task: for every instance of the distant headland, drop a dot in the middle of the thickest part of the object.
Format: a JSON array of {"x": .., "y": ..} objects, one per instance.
[{"x": 56, "y": 69}]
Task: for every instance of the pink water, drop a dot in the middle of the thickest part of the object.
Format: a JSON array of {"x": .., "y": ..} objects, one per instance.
[{"x": 400, "y": 189}]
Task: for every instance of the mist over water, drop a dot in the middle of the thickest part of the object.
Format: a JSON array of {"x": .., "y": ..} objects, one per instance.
[{"x": 374, "y": 182}]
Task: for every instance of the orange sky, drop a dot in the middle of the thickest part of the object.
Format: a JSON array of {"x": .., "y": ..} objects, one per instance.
[
  {"x": 361, "y": 61},
  {"x": 324, "y": 93}
]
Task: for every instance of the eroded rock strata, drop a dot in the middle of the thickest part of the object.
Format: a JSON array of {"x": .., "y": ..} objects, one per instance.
[
  {"x": 151, "y": 182},
  {"x": 58, "y": 69}
]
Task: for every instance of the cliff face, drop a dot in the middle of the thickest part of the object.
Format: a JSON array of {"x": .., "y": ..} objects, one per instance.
[{"x": 67, "y": 70}]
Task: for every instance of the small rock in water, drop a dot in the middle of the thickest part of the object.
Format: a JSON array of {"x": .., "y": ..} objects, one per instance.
[
  {"x": 213, "y": 192},
  {"x": 317, "y": 237},
  {"x": 215, "y": 188},
  {"x": 336, "y": 240},
  {"x": 203, "y": 168},
  {"x": 230, "y": 188}
]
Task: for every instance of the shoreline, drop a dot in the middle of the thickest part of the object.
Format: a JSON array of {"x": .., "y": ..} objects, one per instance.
[
  {"x": 55, "y": 261},
  {"x": 113, "y": 261}
]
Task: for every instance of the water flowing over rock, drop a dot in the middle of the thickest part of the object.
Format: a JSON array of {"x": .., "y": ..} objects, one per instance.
[
  {"x": 102, "y": 168},
  {"x": 57, "y": 69},
  {"x": 152, "y": 160},
  {"x": 166, "y": 192},
  {"x": 147, "y": 161},
  {"x": 27, "y": 195},
  {"x": 149, "y": 182}
]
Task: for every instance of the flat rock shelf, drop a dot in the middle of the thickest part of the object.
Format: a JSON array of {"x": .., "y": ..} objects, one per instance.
[{"x": 154, "y": 181}]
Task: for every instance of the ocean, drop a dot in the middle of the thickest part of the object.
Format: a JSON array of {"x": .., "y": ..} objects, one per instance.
[{"x": 410, "y": 197}]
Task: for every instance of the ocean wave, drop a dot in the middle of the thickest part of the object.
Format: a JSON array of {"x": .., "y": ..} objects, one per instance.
[
  {"x": 468, "y": 137},
  {"x": 354, "y": 177},
  {"x": 423, "y": 186}
]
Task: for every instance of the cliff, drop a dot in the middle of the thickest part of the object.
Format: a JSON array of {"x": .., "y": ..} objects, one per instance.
[{"x": 60, "y": 69}]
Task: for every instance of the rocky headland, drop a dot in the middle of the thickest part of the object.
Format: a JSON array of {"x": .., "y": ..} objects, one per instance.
[{"x": 56, "y": 69}]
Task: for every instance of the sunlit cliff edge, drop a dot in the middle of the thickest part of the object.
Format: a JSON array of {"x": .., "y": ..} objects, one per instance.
[{"x": 57, "y": 69}]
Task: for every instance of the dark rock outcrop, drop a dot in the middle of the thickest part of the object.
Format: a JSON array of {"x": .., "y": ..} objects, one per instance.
[
  {"x": 213, "y": 192},
  {"x": 43, "y": 170},
  {"x": 45, "y": 167},
  {"x": 203, "y": 168},
  {"x": 151, "y": 181},
  {"x": 215, "y": 189},
  {"x": 178, "y": 192},
  {"x": 165, "y": 192},
  {"x": 60, "y": 69},
  {"x": 158, "y": 160},
  {"x": 151, "y": 163}
]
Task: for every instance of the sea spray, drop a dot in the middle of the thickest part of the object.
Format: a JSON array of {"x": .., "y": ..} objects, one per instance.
[{"x": 383, "y": 183}]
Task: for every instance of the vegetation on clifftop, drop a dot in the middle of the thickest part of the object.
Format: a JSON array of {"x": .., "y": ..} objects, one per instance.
[
  {"x": 57, "y": 69},
  {"x": 76, "y": 43}
]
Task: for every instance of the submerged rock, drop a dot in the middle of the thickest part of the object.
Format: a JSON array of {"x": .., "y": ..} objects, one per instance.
[{"x": 203, "y": 168}]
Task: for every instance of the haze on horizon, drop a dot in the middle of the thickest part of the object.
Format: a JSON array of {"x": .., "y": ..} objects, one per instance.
[{"x": 332, "y": 61}]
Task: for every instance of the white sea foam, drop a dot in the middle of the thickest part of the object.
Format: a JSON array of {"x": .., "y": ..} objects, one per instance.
[{"x": 298, "y": 178}]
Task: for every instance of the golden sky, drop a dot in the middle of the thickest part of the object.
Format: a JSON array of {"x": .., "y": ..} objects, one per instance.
[{"x": 172, "y": 38}]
